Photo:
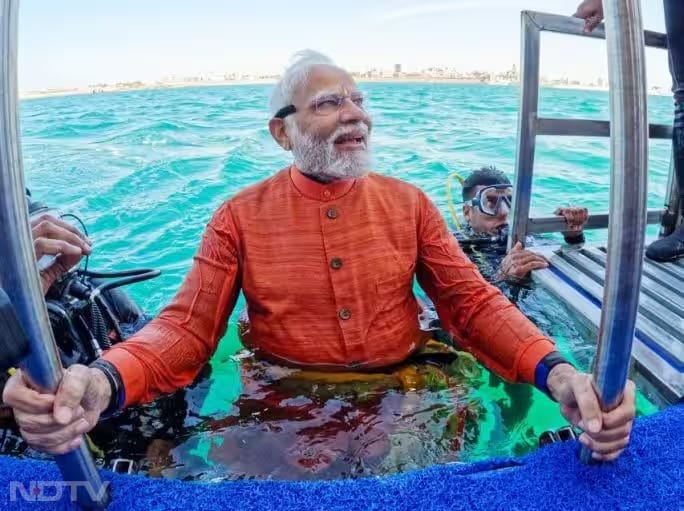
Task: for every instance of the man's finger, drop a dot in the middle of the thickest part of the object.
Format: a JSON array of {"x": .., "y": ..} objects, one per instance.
[
  {"x": 612, "y": 435},
  {"x": 618, "y": 417},
  {"x": 607, "y": 457},
  {"x": 623, "y": 413},
  {"x": 517, "y": 247},
  {"x": 603, "y": 447},
  {"x": 70, "y": 393},
  {"x": 45, "y": 221},
  {"x": 588, "y": 403},
  {"x": 20, "y": 396},
  {"x": 48, "y": 246},
  {"x": 531, "y": 266},
  {"x": 528, "y": 257},
  {"x": 53, "y": 231},
  {"x": 42, "y": 422},
  {"x": 52, "y": 440},
  {"x": 593, "y": 22},
  {"x": 523, "y": 255},
  {"x": 584, "y": 215},
  {"x": 571, "y": 414}
]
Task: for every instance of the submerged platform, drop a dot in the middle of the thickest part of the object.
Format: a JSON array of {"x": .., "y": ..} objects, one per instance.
[
  {"x": 648, "y": 475},
  {"x": 576, "y": 276}
]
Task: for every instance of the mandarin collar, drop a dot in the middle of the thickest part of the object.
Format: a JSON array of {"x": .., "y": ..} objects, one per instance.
[{"x": 319, "y": 191}]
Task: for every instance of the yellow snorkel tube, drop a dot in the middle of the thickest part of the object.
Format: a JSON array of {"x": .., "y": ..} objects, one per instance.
[{"x": 450, "y": 200}]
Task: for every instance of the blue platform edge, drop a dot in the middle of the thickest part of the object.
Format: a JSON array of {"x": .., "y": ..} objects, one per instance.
[{"x": 649, "y": 475}]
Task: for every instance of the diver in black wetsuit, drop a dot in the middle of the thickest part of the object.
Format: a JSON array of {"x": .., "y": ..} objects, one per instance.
[
  {"x": 84, "y": 327},
  {"x": 487, "y": 196}
]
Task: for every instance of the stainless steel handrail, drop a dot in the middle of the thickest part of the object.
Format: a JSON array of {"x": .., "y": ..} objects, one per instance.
[
  {"x": 530, "y": 125},
  {"x": 548, "y": 224},
  {"x": 629, "y": 180},
  {"x": 527, "y": 125},
  {"x": 18, "y": 270}
]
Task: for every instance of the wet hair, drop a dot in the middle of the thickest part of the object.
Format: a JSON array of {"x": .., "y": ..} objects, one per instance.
[{"x": 486, "y": 176}]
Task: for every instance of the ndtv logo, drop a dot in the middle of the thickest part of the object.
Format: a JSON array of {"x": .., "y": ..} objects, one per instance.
[{"x": 52, "y": 491}]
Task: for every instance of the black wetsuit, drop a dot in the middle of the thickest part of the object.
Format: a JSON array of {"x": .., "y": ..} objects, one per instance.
[{"x": 130, "y": 431}]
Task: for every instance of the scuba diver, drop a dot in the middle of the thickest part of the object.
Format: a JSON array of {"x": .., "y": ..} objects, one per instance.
[
  {"x": 88, "y": 311},
  {"x": 487, "y": 197}
]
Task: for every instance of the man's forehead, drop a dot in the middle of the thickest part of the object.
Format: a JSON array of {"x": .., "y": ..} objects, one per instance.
[
  {"x": 323, "y": 79},
  {"x": 500, "y": 189}
]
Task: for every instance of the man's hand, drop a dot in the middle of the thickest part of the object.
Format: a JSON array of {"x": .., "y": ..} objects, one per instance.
[
  {"x": 54, "y": 423},
  {"x": 576, "y": 218},
  {"x": 52, "y": 236},
  {"x": 592, "y": 12},
  {"x": 606, "y": 434},
  {"x": 519, "y": 262}
]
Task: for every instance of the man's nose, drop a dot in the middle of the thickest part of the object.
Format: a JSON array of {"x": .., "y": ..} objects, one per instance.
[
  {"x": 503, "y": 209},
  {"x": 350, "y": 112}
]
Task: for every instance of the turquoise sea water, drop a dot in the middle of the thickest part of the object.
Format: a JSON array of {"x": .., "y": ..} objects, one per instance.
[{"x": 145, "y": 170}]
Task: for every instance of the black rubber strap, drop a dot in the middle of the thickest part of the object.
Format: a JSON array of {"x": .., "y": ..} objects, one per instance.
[
  {"x": 115, "y": 383},
  {"x": 541, "y": 373}
]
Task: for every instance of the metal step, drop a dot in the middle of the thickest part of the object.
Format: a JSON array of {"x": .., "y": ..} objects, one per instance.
[{"x": 576, "y": 277}]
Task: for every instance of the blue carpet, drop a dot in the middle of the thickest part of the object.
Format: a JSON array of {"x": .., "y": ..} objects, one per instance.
[{"x": 649, "y": 475}]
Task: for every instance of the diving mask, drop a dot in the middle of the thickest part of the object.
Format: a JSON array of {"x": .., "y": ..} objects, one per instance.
[{"x": 491, "y": 199}]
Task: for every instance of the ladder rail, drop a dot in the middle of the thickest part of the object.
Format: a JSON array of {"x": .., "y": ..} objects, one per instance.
[
  {"x": 531, "y": 125},
  {"x": 18, "y": 270},
  {"x": 550, "y": 224}
]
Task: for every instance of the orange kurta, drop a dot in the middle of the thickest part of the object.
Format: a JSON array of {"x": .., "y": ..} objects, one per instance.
[{"x": 327, "y": 272}]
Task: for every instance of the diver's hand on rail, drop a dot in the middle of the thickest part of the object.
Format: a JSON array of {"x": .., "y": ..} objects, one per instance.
[
  {"x": 606, "y": 434},
  {"x": 575, "y": 218},
  {"x": 55, "y": 423},
  {"x": 592, "y": 12},
  {"x": 519, "y": 262},
  {"x": 52, "y": 236}
]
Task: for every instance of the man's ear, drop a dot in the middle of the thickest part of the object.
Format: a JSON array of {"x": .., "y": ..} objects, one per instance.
[
  {"x": 467, "y": 210},
  {"x": 277, "y": 128}
]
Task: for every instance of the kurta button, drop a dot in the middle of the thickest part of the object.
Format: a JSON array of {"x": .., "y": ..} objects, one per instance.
[
  {"x": 331, "y": 213},
  {"x": 326, "y": 194},
  {"x": 336, "y": 263},
  {"x": 345, "y": 314}
]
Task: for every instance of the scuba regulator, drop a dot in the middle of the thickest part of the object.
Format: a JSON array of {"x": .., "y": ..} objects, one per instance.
[{"x": 88, "y": 311}]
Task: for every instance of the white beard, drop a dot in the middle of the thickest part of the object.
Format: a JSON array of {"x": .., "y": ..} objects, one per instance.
[{"x": 320, "y": 159}]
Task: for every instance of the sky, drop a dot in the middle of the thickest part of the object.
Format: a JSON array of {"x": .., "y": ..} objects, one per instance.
[{"x": 73, "y": 43}]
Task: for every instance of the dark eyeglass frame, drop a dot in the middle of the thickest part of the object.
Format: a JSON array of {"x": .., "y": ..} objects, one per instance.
[
  {"x": 290, "y": 109},
  {"x": 285, "y": 111}
]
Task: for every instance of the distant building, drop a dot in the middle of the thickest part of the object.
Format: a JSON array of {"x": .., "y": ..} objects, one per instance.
[{"x": 397, "y": 69}]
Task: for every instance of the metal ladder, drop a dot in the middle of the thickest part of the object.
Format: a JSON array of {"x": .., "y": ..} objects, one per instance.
[{"x": 585, "y": 279}]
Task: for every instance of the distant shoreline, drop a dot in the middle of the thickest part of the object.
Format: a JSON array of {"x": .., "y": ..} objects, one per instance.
[{"x": 266, "y": 81}]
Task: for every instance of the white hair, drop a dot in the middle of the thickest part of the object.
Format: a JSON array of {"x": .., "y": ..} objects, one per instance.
[{"x": 295, "y": 75}]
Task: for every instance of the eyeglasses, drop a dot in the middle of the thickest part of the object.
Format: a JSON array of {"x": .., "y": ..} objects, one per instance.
[
  {"x": 489, "y": 199},
  {"x": 325, "y": 105}
]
